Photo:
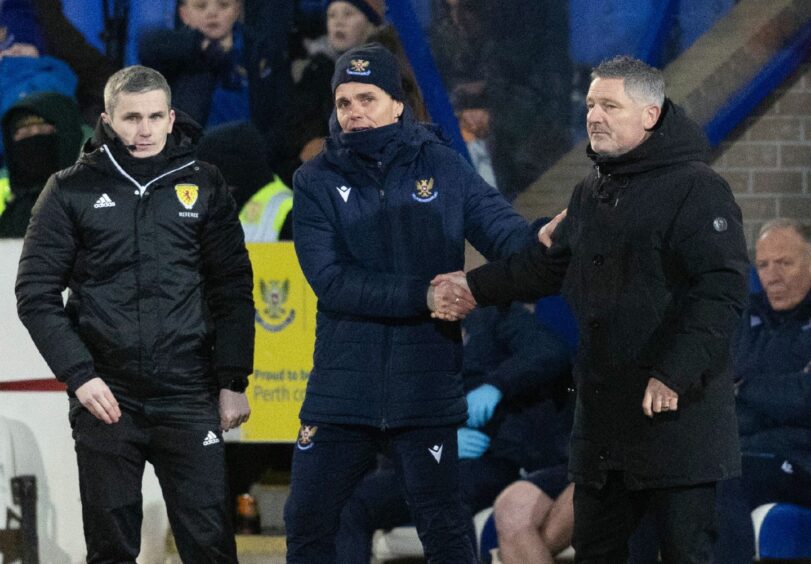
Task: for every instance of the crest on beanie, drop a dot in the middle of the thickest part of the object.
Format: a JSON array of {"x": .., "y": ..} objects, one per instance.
[{"x": 359, "y": 67}]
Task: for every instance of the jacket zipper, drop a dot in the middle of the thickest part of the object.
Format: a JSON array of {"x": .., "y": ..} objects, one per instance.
[{"x": 387, "y": 336}]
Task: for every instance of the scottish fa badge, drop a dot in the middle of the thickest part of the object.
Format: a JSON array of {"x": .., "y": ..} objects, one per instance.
[
  {"x": 424, "y": 192},
  {"x": 187, "y": 194},
  {"x": 274, "y": 316}
]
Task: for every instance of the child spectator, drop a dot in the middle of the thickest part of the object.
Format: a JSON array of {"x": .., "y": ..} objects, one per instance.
[{"x": 218, "y": 71}]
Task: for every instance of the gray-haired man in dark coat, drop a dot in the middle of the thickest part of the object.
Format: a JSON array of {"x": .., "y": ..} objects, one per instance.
[{"x": 652, "y": 258}]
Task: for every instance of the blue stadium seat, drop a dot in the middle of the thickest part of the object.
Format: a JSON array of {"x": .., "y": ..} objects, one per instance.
[
  {"x": 782, "y": 531},
  {"x": 553, "y": 312}
]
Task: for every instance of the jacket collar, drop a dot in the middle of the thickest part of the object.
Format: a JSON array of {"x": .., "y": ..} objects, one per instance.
[
  {"x": 760, "y": 307},
  {"x": 105, "y": 151},
  {"x": 411, "y": 137}
]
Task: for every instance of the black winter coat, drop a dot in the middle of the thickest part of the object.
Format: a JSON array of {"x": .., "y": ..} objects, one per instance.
[
  {"x": 160, "y": 298},
  {"x": 653, "y": 261}
]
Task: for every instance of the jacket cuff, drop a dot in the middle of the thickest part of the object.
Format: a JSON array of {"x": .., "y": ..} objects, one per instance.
[
  {"x": 76, "y": 376},
  {"x": 226, "y": 375},
  {"x": 671, "y": 383}
]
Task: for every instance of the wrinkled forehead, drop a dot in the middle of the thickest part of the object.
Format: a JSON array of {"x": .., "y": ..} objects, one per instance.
[{"x": 782, "y": 243}]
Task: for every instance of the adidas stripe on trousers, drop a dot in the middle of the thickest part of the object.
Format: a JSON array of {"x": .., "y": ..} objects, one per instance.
[{"x": 181, "y": 438}]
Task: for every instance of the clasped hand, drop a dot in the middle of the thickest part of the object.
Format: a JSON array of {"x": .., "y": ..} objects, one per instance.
[{"x": 449, "y": 297}]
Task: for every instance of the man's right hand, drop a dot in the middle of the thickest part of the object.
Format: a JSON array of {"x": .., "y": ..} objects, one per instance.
[
  {"x": 545, "y": 233},
  {"x": 449, "y": 297},
  {"x": 97, "y": 398}
]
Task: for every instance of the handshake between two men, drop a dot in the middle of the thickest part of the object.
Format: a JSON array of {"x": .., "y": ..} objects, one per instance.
[
  {"x": 450, "y": 299},
  {"x": 449, "y": 296}
]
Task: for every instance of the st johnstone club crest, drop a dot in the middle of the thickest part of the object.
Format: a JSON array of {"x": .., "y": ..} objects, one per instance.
[
  {"x": 359, "y": 67},
  {"x": 274, "y": 316},
  {"x": 424, "y": 192},
  {"x": 306, "y": 434},
  {"x": 187, "y": 194}
]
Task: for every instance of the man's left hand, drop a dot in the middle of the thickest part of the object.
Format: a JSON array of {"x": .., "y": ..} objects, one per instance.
[
  {"x": 659, "y": 398},
  {"x": 234, "y": 409}
]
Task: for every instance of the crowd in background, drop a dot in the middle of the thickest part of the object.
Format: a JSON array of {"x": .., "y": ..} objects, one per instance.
[
  {"x": 515, "y": 78},
  {"x": 256, "y": 76}
]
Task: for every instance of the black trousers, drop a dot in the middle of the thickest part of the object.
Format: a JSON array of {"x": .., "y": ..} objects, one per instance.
[
  {"x": 181, "y": 438},
  {"x": 605, "y": 518},
  {"x": 329, "y": 463}
]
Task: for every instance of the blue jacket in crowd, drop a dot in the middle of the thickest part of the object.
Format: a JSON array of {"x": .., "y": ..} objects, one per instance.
[
  {"x": 370, "y": 235},
  {"x": 772, "y": 362}
]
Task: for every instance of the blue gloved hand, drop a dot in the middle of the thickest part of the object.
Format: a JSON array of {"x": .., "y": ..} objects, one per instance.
[
  {"x": 481, "y": 403},
  {"x": 472, "y": 443}
]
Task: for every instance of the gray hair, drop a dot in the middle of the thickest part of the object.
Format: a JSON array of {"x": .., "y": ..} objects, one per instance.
[
  {"x": 643, "y": 83},
  {"x": 802, "y": 229},
  {"x": 134, "y": 80}
]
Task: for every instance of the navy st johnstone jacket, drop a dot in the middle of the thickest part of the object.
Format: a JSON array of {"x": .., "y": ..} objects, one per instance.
[
  {"x": 160, "y": 283},
  {"x": 370, "y": 238}
]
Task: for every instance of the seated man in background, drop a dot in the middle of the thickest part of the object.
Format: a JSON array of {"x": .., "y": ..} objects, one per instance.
[
  {"x": 516, "y": 372},
  {"x": 772, "y": 369},
  {"x": 42, "y": 133}
]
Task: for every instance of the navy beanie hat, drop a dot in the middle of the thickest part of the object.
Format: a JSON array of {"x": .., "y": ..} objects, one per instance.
[
  {"x": 372, "y": 14},
  {"x": 371, "y": 64}
]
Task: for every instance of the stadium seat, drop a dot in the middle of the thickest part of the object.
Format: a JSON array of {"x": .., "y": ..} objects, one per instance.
[
  {"x": 782, "y": 531},
  {"x": 554, "y": 313}
]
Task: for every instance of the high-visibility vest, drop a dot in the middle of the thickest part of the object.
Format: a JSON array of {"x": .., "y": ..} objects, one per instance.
[
  {"x": 262, "y": 217},
  {"x": 5, "y": 192}
]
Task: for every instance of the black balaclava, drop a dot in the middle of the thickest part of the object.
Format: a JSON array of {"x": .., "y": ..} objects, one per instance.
[{"x": 34, "y": 158}]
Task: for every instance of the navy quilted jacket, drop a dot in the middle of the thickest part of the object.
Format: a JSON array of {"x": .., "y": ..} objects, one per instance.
[
  {"x": 370, "y": 238},
  {"x": 772, "y": 360}
]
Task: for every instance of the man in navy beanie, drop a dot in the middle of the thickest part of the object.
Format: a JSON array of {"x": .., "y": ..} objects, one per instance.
[{"x": 383, "y": 208}]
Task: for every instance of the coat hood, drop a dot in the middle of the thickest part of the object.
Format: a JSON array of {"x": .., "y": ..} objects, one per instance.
[
  {"x": 56, "y": 109},
  {"x": 675, "y": 139}
]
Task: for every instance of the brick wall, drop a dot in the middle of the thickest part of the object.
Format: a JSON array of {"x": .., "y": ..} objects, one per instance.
[{"x": 767, "y": 159}]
